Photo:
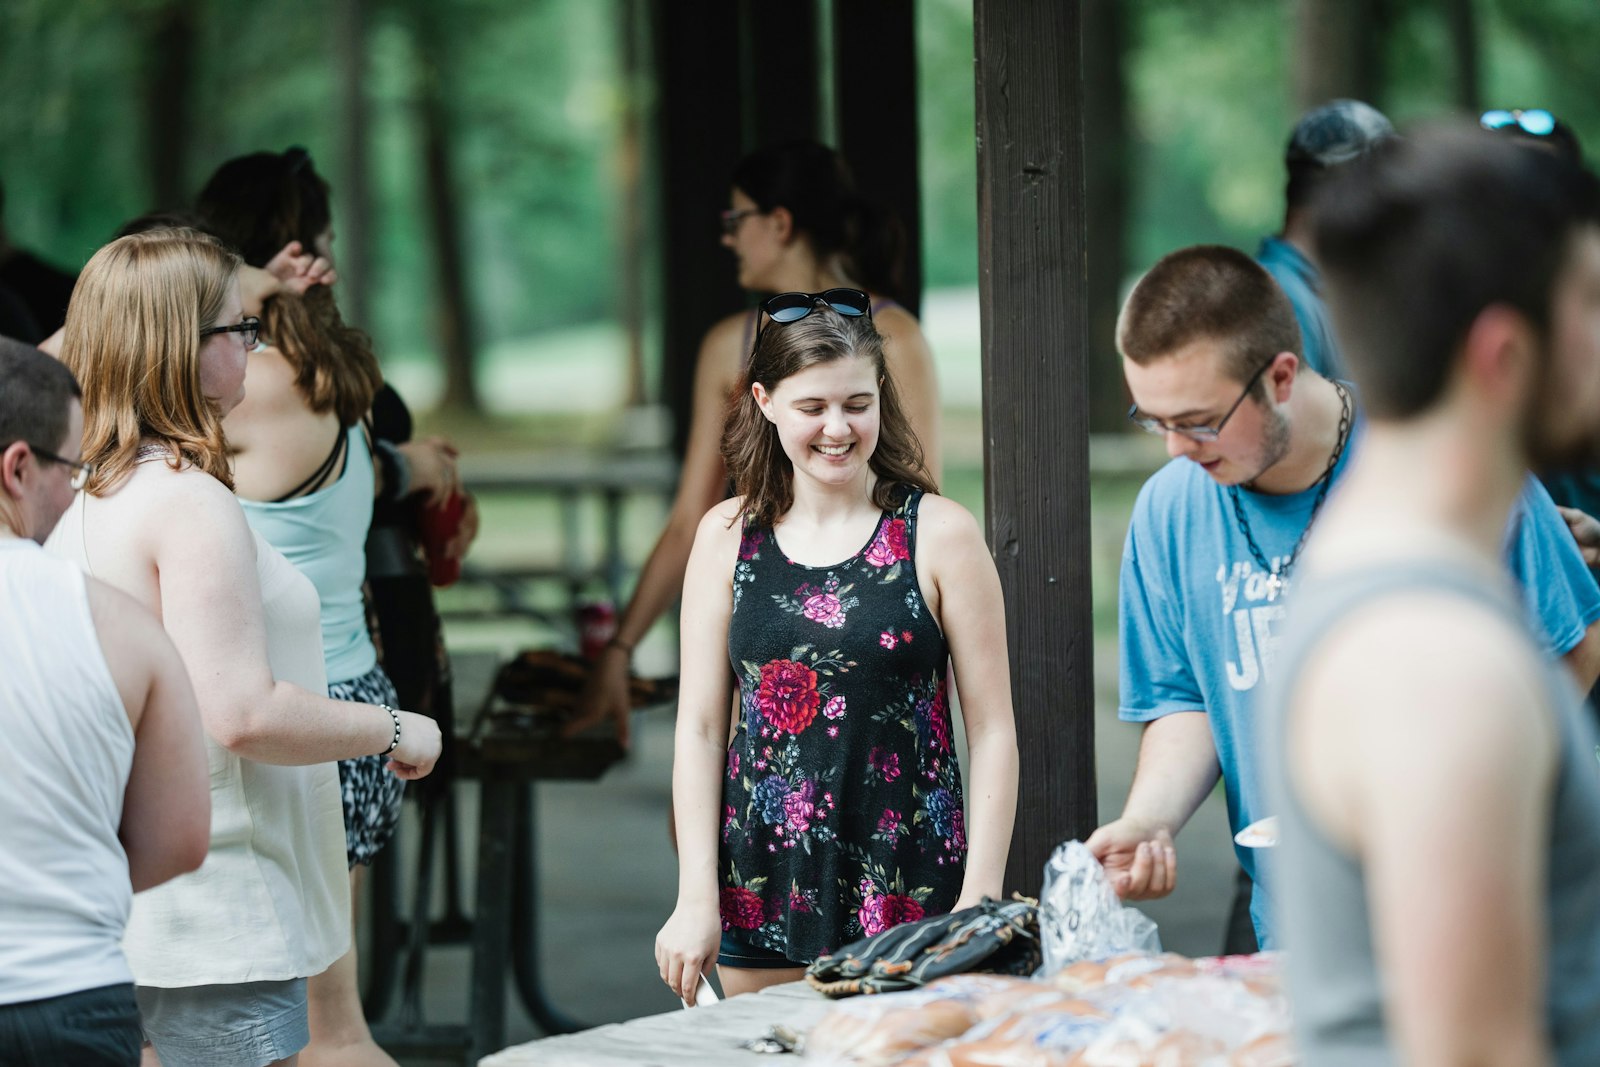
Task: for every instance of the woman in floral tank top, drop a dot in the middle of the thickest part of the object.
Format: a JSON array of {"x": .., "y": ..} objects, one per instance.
[{"x": 839, "y": 589}]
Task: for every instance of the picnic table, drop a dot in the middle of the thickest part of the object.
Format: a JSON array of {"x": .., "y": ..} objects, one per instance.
[{"x": 707, "y": 1036}]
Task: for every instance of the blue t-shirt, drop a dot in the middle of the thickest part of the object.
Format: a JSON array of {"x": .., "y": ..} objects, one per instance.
[
  {"x": 1302, "y": 283},
  {"x": 1199, "y": 620}
]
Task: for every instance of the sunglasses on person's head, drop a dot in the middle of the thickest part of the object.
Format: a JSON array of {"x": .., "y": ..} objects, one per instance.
[
  {"x": 792, "y": 307},
  {"x": 1536, "y": 121}
]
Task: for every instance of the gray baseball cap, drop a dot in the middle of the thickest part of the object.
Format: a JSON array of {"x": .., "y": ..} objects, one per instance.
[{"x": 1337, "y": 132}]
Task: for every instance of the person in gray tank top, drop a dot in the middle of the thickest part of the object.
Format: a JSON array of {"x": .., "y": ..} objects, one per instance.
[{"x": 1437, "y": 788}]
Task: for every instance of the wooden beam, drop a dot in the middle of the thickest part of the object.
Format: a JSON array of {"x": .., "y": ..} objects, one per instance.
[
  {"x": 1033, "y": 304},
  {"x": 779, "y": 47},
  {"x": 698, "y": 113},
  {"x": 875, "y": 102}
]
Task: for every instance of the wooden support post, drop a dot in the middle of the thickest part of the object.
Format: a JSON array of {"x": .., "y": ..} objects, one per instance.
[
  {"x": 698, "y": 126},
  {"x": 779, "y": 48},
  {"x": 1032, "y": 298},
  {"x": 875, "y": 100}
]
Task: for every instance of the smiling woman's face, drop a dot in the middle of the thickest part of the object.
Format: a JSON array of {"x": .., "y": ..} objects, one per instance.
[{"x": 827, "y": 418}]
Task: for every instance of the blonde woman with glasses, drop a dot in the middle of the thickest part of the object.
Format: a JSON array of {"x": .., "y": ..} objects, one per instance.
[{"x": 157, "y": 336}]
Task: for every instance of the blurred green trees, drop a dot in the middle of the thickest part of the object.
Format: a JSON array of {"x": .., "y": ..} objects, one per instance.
[{"x": 103, "y": 102}]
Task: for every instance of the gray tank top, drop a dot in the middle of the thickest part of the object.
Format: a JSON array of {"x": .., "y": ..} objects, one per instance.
[{"x": 1334, "y": 978}]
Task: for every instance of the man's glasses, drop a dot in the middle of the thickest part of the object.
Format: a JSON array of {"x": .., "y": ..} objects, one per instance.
[
  {"x": 250, "y": 327},
  {"x": 792, "y": 307},
  {"x": 732, "y": 218},
  {"x": 1535, "y": 121},
  {"x": 1150, "y": 424},
  {"x": 81, "y": 472}
]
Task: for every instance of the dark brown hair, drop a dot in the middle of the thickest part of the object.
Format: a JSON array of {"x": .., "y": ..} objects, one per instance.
[
  {"x": 1417, "y": 238},
  {"x": 260, "y": 202},
  {"x": 760, "y": 469},
  {"x": 815, "y": 183},
  {"x": 334, "y": 368},
  {"x": 1208, "y": 293}
]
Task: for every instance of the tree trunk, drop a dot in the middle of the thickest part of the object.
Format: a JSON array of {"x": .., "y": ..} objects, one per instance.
[
  {"x": 1336, "y": 50},
  {"x": 169, "y": 90},
  {"x": 632, "y": 24},
  {"x": 1464, "y": 44},
  {"x": 443, "y": 210},
  {"x": 354, "y": 215},
  {"x": 1106, "y": 178}
]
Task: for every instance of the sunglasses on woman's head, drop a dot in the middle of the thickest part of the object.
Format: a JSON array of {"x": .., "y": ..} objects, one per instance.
[
  {"x": 1536, "y": 121},
  {"x": 792, "y": 307}
]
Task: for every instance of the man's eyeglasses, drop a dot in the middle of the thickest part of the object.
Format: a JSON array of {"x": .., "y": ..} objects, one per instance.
[
  {"x": 1150, "y": 424},
  {"x": 792, "y": 307},
  {"x": 81, "y": 472},
  {"x": 1535, "y": 121},
  {"x": 732, "y": 218},
  {"x": 250, "y": 327}
]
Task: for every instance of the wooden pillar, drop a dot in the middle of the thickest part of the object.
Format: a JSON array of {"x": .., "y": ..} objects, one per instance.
[
  {"x": 1033, "y": 303},
  {"x": 781, "y": 60},
  {"x": 698, "y": 125},
  {"x": 875, "y": 103}
]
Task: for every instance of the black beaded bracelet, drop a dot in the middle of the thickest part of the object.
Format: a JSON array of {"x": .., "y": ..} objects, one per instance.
[{"x": 395, "y": 715}]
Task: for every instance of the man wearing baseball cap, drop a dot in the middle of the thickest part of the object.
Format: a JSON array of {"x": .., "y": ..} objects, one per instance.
[{"x": 1322, "y": 141}]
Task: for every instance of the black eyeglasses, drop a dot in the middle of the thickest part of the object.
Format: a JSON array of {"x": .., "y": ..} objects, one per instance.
[
  {"x": 1536, "y": 121},
  {"x": 732, "y": 218},
  {"x": 81, "y": 472},
  {"x": 792, "y": 307},
  {"x": 1150, "y": 424},
  {"x": 250, "y": 327}
]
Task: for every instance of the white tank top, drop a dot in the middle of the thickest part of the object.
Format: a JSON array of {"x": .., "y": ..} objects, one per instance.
[
  {"x": 272, "y": 900},
  {"x": 66, "y": 752}
]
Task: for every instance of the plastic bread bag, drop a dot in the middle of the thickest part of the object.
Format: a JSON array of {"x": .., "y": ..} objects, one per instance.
[
  {"x": 1080, "y": 917},
  {"x": 883, "y": 1028}
]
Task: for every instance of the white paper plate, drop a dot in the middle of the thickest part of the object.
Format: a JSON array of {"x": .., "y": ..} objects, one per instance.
[{"x": 1263, "y": 833}]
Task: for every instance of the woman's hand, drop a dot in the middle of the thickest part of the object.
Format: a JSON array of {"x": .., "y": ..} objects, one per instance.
[
  {"x": 297, "y": 270},
  {"x": 605, "y": 695},
  {"x": 686, "y": 947},
  {"x": 433, "y": 467},
  {"x": 418, "y": 749}
]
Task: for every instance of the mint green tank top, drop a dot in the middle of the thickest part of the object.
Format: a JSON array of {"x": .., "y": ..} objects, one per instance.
[{"x": 324, "y": 534}]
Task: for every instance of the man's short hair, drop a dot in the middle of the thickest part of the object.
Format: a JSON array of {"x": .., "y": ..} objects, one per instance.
[
  {"x": 1208, "y": 293},
  {"x": 34, "y": 394},
  {"x": 1422, "y": 235}
]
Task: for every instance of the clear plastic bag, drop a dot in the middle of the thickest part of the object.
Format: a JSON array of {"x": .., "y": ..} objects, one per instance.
[{"x": 1080, "y": 917}]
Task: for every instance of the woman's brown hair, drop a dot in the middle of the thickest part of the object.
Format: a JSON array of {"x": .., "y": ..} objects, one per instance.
[
  {"x": 756, "y": 462},
  {"x": 133, "y": 340},
  {"x": 334, "y": 368}
]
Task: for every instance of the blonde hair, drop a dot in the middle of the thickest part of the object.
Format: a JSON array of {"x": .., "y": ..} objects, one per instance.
[{"x": 133, "y": 339}]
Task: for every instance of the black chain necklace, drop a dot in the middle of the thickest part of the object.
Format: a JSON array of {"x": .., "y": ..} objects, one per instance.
[{"x": 1276, "y": 579}]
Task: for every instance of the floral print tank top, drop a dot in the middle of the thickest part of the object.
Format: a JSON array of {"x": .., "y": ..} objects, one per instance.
[{"x": 842, "y": 802}]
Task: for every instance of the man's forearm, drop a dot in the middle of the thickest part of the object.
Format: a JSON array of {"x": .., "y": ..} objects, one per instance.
[{"x": 1177, "y": 770}]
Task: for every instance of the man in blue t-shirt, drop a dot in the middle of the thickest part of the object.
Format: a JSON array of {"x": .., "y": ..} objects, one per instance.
[
  {"x": 1209, "y": 345},
  {"x": 1323, "y": 141}
]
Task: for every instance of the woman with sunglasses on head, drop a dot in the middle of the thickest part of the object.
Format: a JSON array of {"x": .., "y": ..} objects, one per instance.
[
  {"x": 157, "y": 336},
  {"x": 841, "y": 590},
  {"x": 795, "y": 223},
  {"x": 304, "y": 469}
]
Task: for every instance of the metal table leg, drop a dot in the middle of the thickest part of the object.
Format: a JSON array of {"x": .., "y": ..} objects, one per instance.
[
  {"x": 525, "y": 921},
  {"x": 496, "y": 842}
]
